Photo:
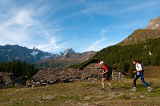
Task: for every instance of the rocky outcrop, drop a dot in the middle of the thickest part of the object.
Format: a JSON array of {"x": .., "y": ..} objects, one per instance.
[
  {"x": 154, "y": 24},
  {"x": 51, "y": 76},
  {"x": 65, "y": 75},
  {"x": 152, "y": 31},
  {"x": 66, "y": 60}
]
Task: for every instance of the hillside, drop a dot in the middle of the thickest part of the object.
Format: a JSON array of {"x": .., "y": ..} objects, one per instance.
[
  {"x": 86, "y": 93},
  {"x": 16, "y": 52},
  {"x": 66, "y": 59},
  {"x": 141, "y": 35},
  {"x": 152, "y": 31},
  {"x": 122, "y": 56}
]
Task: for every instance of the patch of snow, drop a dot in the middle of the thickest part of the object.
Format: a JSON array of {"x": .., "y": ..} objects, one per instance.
[{"x": 34, "y": 53}]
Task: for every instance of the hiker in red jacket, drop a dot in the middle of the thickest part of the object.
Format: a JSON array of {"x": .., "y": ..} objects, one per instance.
[{"x": 105, "y": 73}]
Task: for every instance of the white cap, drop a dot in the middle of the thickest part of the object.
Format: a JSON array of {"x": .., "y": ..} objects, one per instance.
[{"x": 101, "y": 62}]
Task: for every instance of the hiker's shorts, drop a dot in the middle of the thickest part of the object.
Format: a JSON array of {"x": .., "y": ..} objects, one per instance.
[{"x": 106, "y": 76}]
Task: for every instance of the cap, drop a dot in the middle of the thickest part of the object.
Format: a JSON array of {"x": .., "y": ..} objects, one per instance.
[{"x": 101, "y": 62}]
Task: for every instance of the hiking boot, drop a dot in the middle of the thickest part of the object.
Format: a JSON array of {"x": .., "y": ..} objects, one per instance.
[
  {"x": 134, "y": 89},
  {"x": 149, "y": 89}
]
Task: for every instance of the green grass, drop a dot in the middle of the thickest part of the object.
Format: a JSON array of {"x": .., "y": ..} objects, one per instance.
[
  {"x": 84, "y": 94},
  {"x": 69, "y": 94}
]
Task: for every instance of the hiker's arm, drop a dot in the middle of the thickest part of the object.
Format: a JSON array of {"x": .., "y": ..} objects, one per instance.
[{"x": 104, "y": 71}]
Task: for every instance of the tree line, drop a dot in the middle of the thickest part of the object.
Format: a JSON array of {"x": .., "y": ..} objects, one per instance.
[
  {"x": 121, "y": 57},
  {"x": 18, "y": 69}
]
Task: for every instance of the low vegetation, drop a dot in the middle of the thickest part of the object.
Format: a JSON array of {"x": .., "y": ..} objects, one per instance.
[
  {"x": 16, "y": 72},
  {"x": 86, "y": 93}
]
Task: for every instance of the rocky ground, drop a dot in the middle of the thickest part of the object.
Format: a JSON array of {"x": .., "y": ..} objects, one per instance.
[{"x": 86, "y": 93}]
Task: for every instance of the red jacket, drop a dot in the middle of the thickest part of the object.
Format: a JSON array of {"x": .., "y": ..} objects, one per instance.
[{"x": 105, "y": 68}]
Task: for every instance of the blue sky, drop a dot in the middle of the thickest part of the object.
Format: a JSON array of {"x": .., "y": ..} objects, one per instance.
[{"x": 84, "y": 25}]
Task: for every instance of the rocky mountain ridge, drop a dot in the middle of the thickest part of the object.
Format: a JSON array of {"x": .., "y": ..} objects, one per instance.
[
  {"x": 152, "y": 31},
  {"x": 16, "y": 52}
]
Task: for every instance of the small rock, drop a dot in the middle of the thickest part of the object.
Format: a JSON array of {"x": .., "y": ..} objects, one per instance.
[
  {"x": 86, "y": 98},
  {"x": 134, "y": 97},
  {"x": 48, "y": 97},
  {"x": 141, "y": 96}
]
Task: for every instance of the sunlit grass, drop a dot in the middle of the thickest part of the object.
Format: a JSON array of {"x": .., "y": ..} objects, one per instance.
[{"x": 84, "y": 93}]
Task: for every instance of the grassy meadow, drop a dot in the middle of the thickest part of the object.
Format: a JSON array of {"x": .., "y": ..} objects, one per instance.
[{"x": 85, "y": 93}]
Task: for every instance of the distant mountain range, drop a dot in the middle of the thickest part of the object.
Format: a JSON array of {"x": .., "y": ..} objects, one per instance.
[
  {"x": 66, "y": 58},
  {"x": 16, "y": 52},
  {"x": 44, "y": 59}
]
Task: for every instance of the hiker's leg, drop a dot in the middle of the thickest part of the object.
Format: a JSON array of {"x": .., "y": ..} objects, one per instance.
[
  {"x": 135, "y": 79},
  {"x": 109, "y": 83},
  {"x": 143, "y": 81},
  {"x": 102, "y": 82},
  {"x": 108, "y": 78}
]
